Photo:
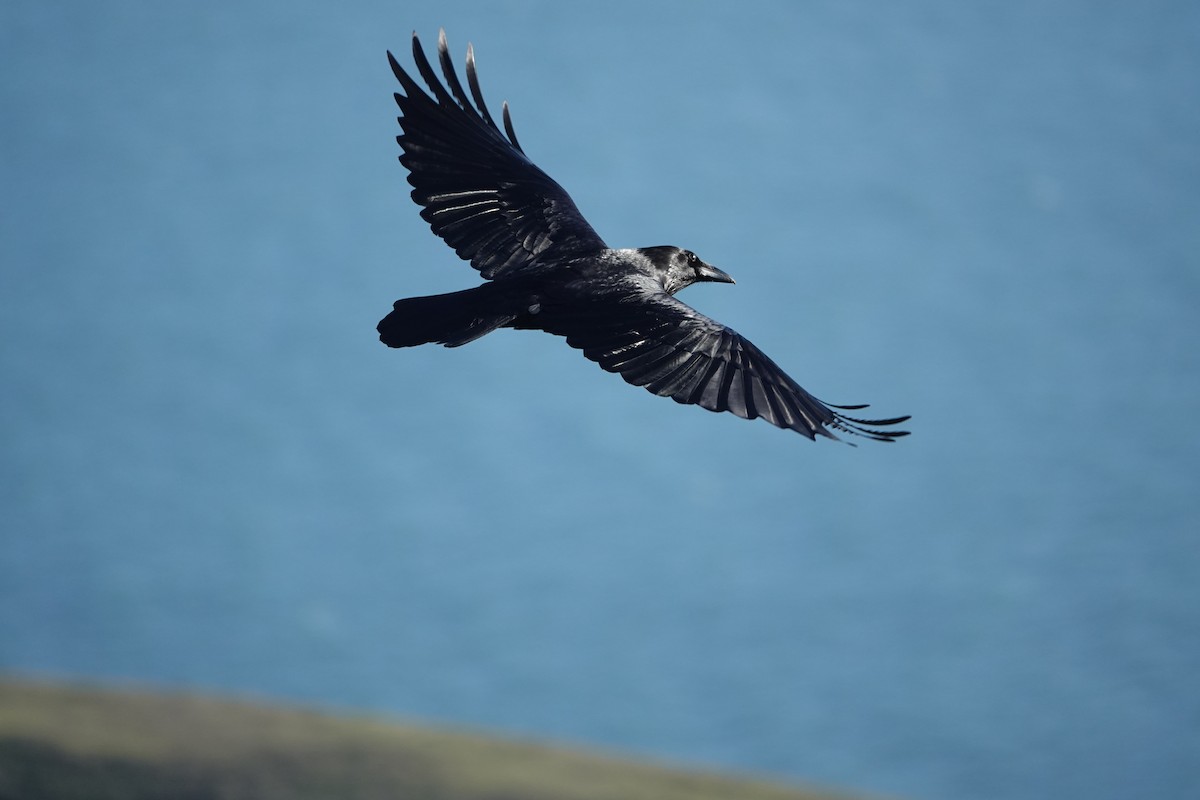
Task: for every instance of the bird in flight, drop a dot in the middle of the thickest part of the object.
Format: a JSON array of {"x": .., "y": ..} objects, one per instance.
[{"x": 546, "y": 269}]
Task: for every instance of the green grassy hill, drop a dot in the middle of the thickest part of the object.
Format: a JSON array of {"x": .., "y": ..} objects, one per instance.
[{"x": 65, "y": 742}]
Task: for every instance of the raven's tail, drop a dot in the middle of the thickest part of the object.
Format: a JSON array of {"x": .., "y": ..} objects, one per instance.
[{"x": 450, "y": 319}]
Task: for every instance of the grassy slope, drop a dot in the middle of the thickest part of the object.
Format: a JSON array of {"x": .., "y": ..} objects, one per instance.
[{"x": 70, "y": 742}]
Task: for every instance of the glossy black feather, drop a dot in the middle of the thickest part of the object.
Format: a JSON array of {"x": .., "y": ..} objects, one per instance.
[
  {"x": 674, "y": 351},
  {"x": 549, "y": 270},
  {"x": 478, "y": 190}
]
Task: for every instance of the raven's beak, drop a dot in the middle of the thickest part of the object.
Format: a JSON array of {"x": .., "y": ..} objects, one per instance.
[{"x": 707, "y": 272}]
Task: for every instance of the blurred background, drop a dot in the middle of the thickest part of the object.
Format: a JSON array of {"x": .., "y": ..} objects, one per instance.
[{"x": 987, "y": 215}]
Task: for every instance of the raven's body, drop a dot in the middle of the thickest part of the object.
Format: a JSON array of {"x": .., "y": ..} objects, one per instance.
[{"x": 548, "y": 270}]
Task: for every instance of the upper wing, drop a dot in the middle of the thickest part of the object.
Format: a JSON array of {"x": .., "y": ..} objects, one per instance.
[
  {"x": 674, "y": 351},
  {"x": 480, "y": 192}
]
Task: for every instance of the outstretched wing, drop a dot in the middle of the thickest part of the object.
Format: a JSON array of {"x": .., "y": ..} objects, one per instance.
[
  {"x": 675, "y": 351},
  {"x": 479, "y": 191}
]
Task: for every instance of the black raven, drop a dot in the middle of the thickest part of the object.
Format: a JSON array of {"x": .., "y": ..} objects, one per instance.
[{"x": 546, "y": 269}]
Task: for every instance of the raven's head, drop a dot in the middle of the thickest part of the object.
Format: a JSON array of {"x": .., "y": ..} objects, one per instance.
[{"x": 678, "y": 268}]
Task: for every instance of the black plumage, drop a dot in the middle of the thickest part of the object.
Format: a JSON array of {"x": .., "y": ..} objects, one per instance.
[{"x": 547, "y": 269}]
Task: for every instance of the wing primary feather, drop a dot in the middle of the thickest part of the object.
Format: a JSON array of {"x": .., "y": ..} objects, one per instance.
[
  {"x": 879, "y": 422},
  {"x": 452, "y": 76},
  {"x": 423, "y": 66},
  {"x": 508, "y": 127},
  {"x": 476, "y": 92},
  {"x": 845, "y": 424},
  {"x": 408, "y": 83},
  {"x": 779, "y": 406}
]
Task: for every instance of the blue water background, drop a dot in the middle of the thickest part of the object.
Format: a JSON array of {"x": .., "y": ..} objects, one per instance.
[{"x": 213, "y": 477}]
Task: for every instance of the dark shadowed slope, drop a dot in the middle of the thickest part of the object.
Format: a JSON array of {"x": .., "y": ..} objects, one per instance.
[{"x": 60, "y": 743}]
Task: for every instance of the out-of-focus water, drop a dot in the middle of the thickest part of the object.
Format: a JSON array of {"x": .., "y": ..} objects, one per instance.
[{"x": 986, "y": 215}]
